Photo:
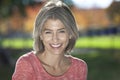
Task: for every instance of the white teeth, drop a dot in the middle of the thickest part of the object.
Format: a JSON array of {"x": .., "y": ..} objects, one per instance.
[{"x": 56, "y": 45}]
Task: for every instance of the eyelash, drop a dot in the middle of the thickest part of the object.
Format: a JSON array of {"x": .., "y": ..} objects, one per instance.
[
  {"x": 62, "y": 31},
  {"x": 47, "y": 32}
]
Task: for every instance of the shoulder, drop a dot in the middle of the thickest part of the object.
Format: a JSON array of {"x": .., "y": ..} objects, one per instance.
[
  {"x": 24, "y": 62},
  {"x": 78, "y": 62},
  {"x": 25, "y": 59},
  {"x": 23, "y": 68},
  {"x": 26, "y": 56},
  {"x": 80, "y": 68}
]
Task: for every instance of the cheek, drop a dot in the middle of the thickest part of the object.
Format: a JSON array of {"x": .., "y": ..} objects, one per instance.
[
  {"x": 64, "y": 38},
  {"x": 46, "y": 39}
]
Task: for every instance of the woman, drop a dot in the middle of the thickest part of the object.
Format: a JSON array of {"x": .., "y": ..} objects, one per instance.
[{"x": 54, "y": 34}]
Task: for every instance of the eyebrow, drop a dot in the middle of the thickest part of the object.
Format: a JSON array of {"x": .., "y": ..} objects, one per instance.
[{"x": 51, "y": 30}]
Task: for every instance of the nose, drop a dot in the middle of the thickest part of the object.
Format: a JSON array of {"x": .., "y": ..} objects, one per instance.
[{"x": 55, "y": 37}]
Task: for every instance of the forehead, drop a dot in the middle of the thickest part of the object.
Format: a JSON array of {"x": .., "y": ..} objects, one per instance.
[{"x": 53, "y": 24}]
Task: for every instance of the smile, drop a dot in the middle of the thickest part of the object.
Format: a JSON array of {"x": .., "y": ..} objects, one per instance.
[{"x": 55, "y": 45}]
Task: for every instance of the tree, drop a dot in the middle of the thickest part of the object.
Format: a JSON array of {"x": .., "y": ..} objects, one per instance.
[{"x": 114, "y": 12}]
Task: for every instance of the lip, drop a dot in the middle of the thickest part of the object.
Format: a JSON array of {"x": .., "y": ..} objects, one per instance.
[{"x": 55, "y": 45}]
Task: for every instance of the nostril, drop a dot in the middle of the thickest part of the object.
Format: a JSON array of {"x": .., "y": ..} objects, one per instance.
[{"x": 55, "y": 39}]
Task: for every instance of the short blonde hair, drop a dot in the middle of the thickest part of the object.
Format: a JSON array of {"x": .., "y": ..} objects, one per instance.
[{"x": 55, "y": 10}]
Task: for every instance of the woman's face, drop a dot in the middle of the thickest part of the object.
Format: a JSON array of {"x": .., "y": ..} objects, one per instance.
[{"x": 54, "y": 36}]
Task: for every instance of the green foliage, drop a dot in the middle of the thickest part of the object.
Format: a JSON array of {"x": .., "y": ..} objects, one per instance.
[
  {"x": 114, "y": 12},
  {"x": 100, "y": 42},
  {"x": 7, "y": 6},
  {"x": 17, "y": 43}
]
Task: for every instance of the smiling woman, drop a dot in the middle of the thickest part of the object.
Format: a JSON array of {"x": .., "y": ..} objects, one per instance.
[{"x": 55, "y": 34}]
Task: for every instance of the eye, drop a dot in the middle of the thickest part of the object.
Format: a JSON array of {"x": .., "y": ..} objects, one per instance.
[
  {"x": 62, "y": 31},
  {"x": 47, "y": 32}
]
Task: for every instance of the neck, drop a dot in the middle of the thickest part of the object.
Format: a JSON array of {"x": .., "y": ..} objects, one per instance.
[{"x": 52, "y": 60}]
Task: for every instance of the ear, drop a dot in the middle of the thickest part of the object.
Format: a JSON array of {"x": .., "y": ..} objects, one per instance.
[
  {"x": 70, "y": 36},
  {"x": 41, "y": 37}
]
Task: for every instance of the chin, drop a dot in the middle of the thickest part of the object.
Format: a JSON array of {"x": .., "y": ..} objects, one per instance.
[{"x": 57, "y": 52}]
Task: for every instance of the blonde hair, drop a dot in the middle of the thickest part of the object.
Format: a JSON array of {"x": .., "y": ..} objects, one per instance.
[{"x": 55, "y": 9}]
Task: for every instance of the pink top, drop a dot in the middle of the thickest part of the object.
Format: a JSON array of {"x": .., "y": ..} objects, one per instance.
[{"x": 28, "y": 67}]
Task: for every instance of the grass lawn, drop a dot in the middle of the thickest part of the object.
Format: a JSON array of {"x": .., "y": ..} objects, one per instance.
[
  {"x": 102, "y": 42},
  {"x": 102, "y": 66}
]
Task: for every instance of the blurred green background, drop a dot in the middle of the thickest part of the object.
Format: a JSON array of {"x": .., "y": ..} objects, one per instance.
[{"x": 98, "y": 43}]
